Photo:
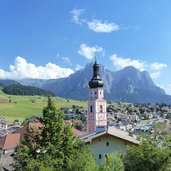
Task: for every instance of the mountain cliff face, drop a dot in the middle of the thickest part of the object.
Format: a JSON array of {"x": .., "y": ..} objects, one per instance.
[
  {"x": 132, "y": 85},
  {"x": 128, "y": 84},
  {"x": 131, "y": 80}
]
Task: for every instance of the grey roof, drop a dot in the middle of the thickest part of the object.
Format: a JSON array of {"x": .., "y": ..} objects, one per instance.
[{"x": 113, "y": 131}]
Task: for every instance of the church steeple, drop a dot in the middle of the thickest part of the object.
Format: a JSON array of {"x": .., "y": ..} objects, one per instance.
[
  {"x": 96, "y": 80},
  {"x": 96, "y": 120}
]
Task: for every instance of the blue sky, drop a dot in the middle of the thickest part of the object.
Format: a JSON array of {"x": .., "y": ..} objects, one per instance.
[{"x": 52, "y": 39}]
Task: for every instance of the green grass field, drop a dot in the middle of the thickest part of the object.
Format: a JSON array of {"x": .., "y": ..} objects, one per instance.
[{"x": 21, "y": 107}]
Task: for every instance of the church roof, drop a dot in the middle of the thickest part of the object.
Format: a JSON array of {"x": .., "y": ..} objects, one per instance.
[{"x": 96, "y": 81}]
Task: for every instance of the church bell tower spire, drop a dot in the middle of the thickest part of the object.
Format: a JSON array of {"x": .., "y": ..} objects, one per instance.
[{"x": 96, "y": 104}]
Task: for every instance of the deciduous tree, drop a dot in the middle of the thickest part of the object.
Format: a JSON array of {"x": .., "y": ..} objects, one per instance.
[
  {"x": 150, "y": 155},
  {"x": 112, "y": 162}
]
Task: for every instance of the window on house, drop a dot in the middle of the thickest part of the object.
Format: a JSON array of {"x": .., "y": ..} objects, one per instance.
[
  {"x": 101, "y": 108},
  {"x": 100, "y": 156},
  {"x": 91, "y": 108},
  {"x": 106, "y": 156},
  {"x": 95, "y": 93},
  {"x": 107, "y": 143}
]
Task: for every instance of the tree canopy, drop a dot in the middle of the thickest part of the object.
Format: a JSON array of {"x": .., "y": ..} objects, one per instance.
[
  {"x": 112, "y": 162},
  {"x": 53, "y": 147},
  {"x": 18, "y": 89},
  {"x": 150, "y": 155}
]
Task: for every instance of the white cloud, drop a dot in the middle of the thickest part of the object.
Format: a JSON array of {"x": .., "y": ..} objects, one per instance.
[
  {"x": 76, "y": 13},
  {"x": 156, "y": 69},
  {"x": 89, "y": 52},
  {"x": 23, "y": 69},
  {"x": 155, "y": 75},
  {"x": 78, "y": 67},
  {"x": 120, "y": 62},
  {"x": 105, "y": 27},
  {"x": 66, "y": 60},
  {"x": 94, "y": 24},
  {"x": 166, "y": 87},
  {"x": 161, "y": 86},
  {"x": 153, "y": 68},
  {"x": 157, "y": 66}
]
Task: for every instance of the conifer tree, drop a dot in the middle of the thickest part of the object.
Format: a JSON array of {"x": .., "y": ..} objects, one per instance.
[
  {"x": 68, "y": 147},
  {"x": 43, "y": 150},
  {"x": 53, "y": 147},
  {"x": 52, "y": 133}
]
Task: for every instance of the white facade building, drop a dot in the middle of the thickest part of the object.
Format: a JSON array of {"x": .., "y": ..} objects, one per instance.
[{"x": 108, "y": 141}]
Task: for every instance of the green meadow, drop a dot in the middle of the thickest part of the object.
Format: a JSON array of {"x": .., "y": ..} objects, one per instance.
[{"x": 20, "y": 107}]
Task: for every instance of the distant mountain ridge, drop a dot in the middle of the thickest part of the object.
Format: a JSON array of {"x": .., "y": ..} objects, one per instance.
[
  {"x": 7, "y": 82},
  {"x": 128, "y": 85}
]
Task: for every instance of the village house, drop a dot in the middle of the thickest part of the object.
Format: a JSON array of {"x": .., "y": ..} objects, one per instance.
[
  {"x": 108, "y": 141},
  {"x": 9, "y": 142}
]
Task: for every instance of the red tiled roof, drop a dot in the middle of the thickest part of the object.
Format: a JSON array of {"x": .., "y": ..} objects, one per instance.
[
  {"x": 10, "y": 141},
  {"x": 76, "y": 132},
  {"x": 75, "y": 121},
  {"x": 23, "y": 130}
]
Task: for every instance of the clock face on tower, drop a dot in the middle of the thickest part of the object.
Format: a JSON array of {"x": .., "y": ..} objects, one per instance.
[
  {"x": 91, "y": 116},
  {"x": 101, "y": 117}
]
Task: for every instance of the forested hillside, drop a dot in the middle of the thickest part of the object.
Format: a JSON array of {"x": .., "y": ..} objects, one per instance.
[{"x": 25, "y": 90}]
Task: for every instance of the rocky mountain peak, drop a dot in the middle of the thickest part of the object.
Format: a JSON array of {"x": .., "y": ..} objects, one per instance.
[{"x": 128, "y": 84}]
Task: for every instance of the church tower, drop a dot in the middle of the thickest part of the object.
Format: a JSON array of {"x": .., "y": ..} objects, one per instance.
[{"x": 96, "y": 120}]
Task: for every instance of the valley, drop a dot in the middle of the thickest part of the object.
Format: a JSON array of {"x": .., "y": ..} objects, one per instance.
[{"x": 21, "y": 107}]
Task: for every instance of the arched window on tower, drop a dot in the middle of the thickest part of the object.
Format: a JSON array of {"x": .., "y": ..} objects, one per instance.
[
  {"x": 91, "y": 108},
  {"x": 101, "y": 108}
]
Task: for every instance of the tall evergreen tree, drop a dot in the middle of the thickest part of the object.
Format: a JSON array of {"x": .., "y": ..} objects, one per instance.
[
  {"x": 53, "y": 147},
  {"x": 43, "y": 150},
  {"x": 52, "y": 133},
  {"x": 68, "y": 147}
]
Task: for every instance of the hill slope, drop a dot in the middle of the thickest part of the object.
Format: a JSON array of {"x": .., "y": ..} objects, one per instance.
[
  {"x": 21, "y": 107},
  {"x": 18, "y": 89}
]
